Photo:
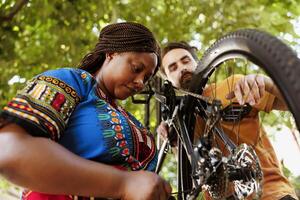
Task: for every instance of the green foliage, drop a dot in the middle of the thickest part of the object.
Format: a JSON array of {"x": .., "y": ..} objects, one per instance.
[
  {"x": 293, "y": 179},
  {"x": 4, "y": 184},
  {"x": 296, "y": 183},
  {"x": 8, "y": 190},
  {"x": 44, "y": 35}
]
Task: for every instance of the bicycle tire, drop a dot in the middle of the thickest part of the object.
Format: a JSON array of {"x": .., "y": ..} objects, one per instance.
[
  {"x": 264, "y": 49},
  {"x": 278, "y": 60}
]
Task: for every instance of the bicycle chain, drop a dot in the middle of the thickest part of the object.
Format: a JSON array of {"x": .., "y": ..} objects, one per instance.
[{"x": 198, "y": 96}]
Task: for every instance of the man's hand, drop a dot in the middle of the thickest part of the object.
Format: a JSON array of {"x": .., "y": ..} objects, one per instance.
[
  {"x": 163, "y": 130},
  {"x": 249, "y": 89}
]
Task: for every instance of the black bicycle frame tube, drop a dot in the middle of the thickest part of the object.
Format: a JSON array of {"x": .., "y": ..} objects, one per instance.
[{"x": 182, "y": 132}]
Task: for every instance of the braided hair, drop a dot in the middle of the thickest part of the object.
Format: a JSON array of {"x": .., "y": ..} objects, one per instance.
[{"x": 120, "y": 37}]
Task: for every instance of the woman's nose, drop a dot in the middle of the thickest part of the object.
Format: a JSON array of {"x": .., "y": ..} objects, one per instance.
[{"x": 139, "y": 84}]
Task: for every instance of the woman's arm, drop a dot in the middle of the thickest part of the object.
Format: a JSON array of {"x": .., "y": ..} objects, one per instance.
[{"x": 45, "y": 166}]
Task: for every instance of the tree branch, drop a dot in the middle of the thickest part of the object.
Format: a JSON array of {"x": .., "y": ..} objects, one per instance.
[{"x": 15, "y": 9}]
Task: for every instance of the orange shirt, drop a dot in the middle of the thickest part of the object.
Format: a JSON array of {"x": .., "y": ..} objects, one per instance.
[{"x": 249, "y": 131}]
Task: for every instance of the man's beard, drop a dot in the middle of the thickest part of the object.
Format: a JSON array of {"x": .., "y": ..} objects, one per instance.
[{"x": 185, "y": 80}]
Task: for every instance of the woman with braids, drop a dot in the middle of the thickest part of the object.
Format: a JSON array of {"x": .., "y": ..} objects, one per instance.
[{"x": 65, "y": 134}]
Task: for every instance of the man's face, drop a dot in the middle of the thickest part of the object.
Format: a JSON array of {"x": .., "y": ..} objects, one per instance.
[{"x": 179, "y": 66}]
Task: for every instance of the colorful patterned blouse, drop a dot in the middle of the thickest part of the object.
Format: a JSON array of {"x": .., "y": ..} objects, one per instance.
[{"x": 67, "y": 106}]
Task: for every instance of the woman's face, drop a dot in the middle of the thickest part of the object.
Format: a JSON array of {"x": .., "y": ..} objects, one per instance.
[{"x": 124, "y": 74}]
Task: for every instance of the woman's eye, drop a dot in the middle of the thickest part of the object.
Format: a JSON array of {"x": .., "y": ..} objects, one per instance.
[{"x": 135, "y": 69}]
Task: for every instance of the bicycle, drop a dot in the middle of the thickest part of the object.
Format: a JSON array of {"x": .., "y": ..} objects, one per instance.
[{"x": 202, "y": 164}]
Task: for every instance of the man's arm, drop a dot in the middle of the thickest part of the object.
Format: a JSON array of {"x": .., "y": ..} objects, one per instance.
[{"x": 279, "y": 103}]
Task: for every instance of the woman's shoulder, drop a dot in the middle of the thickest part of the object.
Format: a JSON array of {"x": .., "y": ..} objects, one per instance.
[
  {"x": 75, "y": 79},
  {"x": 68, "y": 73}
]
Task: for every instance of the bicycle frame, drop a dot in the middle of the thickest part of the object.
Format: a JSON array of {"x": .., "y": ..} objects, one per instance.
[
  {"x": 249, "y": 52},
  {"x": 174, "y": 114}
]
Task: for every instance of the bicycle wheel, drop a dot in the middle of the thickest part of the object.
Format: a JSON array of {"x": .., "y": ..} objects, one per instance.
[{"x": 230, "y": 61}]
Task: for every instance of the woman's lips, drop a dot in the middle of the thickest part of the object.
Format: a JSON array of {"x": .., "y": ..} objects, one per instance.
[{"x": 132, "y": 90}]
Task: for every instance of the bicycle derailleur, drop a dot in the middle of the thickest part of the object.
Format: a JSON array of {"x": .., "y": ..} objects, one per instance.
[{"x": 238, "y": 175}]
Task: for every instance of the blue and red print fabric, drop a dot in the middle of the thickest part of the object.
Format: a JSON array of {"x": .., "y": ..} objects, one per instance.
[{"x": 67, "y": 106}]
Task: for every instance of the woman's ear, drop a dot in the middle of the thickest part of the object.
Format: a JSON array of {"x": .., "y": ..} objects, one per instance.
[{"x": 109, "y": 56}]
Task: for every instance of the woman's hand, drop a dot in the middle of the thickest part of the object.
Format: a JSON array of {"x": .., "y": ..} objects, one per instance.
[{"x": 144, "y": 185}]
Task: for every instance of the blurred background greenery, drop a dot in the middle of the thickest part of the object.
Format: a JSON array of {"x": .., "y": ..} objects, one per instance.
[{"x": 45, "y": 34}]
